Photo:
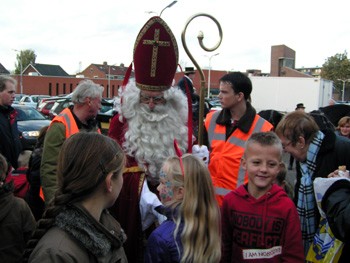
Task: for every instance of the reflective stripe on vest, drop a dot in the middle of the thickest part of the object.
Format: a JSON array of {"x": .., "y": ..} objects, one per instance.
[
  {"x": 211, "y": 129},
  {"x": 67, "y": 119},
  {"x": 224, "y": 181},
  {"x": 68, "y": 123},
  {"x": 241, "y": 172}
]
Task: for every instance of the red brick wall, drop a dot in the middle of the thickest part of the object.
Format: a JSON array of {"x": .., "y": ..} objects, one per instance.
[
  {"x": 59, "y": 85},
  {"x": 288, "y": 72},
  {"x": 92, "y": 71},
  {"x": 278, "y": 52}
]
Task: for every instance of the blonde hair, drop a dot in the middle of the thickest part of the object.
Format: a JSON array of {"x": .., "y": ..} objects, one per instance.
[
  {"x": 343, "y": 121},
  {"x": 198, "y": 210}
]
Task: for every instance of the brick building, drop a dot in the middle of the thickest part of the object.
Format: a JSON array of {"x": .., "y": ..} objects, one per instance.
[{"x": 53, "y": 80}]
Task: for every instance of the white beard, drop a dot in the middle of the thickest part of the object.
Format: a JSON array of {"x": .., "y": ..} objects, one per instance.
[{"x": 150, "y": 136}]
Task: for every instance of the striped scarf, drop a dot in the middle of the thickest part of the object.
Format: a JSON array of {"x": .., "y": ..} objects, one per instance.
[{"x": 306, "y": 198}]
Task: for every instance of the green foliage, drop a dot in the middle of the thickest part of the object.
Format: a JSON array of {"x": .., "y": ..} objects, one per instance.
[
  {"x": 24, "y": 57},
  {"x": 335, "y": 68}
]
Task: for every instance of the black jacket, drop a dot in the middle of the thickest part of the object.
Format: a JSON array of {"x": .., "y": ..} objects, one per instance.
[
  {"x": 36, "y": 204},
  {"x": 182, "y": 85},
  {"x": 10, "y": 145},
  {"x": 336, "y": 205},
  {"x": 334, "y": 151}
]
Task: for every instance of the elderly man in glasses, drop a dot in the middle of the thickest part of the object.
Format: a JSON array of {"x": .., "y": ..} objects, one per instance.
[{"x": 152, "y": 114}]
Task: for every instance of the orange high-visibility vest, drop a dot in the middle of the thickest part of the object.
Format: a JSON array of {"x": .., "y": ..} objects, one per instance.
[
  {"x": 66, "y": 117},
  {"x": 225, "y": 155}
]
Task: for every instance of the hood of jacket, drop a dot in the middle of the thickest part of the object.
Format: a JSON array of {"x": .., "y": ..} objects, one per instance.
[
  {"x": 92, "y": 235},
  {"x": 268, "y": 201},
  {"x": 274, "y": 193}
]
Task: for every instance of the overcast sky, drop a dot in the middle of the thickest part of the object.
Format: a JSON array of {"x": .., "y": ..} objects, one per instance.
[{"x": 76, "y": 33}]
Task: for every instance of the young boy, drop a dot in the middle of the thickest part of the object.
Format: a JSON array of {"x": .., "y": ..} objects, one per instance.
[
  {"x": 16, "y": 220},
  {"x": 259, "y": 221}
]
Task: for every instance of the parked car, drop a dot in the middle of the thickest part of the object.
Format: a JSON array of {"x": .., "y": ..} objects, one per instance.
[
  {"x": 45, "y": 107},
  {"x": 29, "y": 122},
  {"x": 52, "y": 98},
  {"x": 105, "y": 115},
  {"x": 213, "y": 104},
  {"x": 18, "y": 97},
  {"x": 32, "y": 100},
  {"x": 59, "y": 106}
]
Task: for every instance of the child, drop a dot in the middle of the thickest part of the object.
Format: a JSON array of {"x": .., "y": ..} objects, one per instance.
[
  {"x": 16, "y": 220},
  {"x": 19, "y": 177},
  {"x": 282, "y": 182},
  {"x": 76, "y": 226},
  {"x": 259, "y": 222},
  {"x": 191, "y": 232}
]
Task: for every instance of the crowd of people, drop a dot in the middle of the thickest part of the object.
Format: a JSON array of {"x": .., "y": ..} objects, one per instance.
[{"x": 148, "y": 193}]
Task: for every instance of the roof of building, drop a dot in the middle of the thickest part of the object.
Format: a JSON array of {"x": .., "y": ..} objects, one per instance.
[
  {"x": 3, "y": 70},
  {"x": 49, "y": 70},
  {"x": 111, "y": 69}
]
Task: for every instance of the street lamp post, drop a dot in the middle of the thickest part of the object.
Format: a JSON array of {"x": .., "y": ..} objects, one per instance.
[
  {"x": 168, "y": 6},
  {"x": 209, "y": 72},
  {"x": 21, "y": 67},
  {"x": 109, "y": 81},
  {"x": 344, "y": 81}
]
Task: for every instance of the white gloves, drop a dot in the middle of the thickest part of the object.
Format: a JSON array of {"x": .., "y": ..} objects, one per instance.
[
  {"x": 148, "y": 202},
  {"x": 201, "y": 152}
]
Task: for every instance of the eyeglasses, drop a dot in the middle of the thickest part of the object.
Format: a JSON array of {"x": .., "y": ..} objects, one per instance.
[{"x": 155, "y": 99}]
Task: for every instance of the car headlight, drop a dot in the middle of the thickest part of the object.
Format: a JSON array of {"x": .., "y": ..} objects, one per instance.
[{"x": 30, "y": 134}]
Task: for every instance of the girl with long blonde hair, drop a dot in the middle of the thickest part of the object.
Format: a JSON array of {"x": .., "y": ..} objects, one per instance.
[{"x": 191, "y": 232}]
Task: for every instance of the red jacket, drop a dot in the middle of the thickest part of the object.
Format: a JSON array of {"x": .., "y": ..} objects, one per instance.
[{"x": 260, "y": 230}]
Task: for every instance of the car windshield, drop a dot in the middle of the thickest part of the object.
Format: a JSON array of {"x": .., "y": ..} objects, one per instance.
[
  {"x": 27, "y": 113},
  {"x": 18, "y": 97}
]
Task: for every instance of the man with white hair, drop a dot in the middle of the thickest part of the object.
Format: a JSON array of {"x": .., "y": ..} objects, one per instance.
[
  {"x": 80, "y": 117},
  {"x": 152, "y": 115}
]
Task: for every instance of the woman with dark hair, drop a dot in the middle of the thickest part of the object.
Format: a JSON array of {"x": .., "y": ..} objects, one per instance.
[
  {"x": 318, "y": 153},
  {"x": 76, "y": 227}
]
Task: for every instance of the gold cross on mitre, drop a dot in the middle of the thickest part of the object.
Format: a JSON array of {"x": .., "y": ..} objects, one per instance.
[{"x": 156, "y": 43}]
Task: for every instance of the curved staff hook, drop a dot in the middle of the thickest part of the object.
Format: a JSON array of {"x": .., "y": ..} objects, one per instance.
[{"x": 202, "y": 87}]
